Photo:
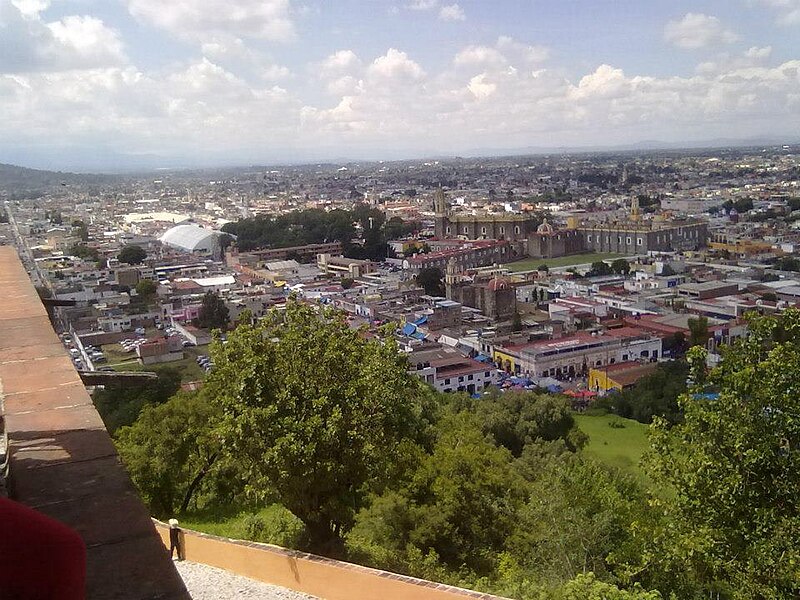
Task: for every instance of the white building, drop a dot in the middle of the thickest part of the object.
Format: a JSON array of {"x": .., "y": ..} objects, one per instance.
[
  {"x": 447, "y": 370},
  {"x": 192, "y": 239}
]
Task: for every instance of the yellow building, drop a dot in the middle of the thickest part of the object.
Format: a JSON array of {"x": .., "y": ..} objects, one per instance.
[{"x": 619, "y": 376}]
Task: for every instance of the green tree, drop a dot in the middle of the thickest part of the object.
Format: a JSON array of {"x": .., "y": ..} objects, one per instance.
[
  {"x": 171, "y": 451},
  {"x": 83, "y": 251},
  {"x": 459, "y": 507},
  {"x": 132, "y": 255},
  {"x": 316, "y": 412},
  {"x": 654, "y": 395},
  {"x": 146, "y": 288},
  {"x": 698, "y": 328},
  {"x": 601, "y": 268},
  {"x": 734, "y": 465},
  {"x": 514, "y": 419},
  {"x": 667, "y": 271},
  {"x": 586, "y": 587},
  {"x": 120, "y": 404},
  {"x": 621, "y": 266},
  {"x": 430, "y": 279},
  {"x": 578, "y": 513},
  {"x": 543, "y": 267},
  {"x": 214, "y": 314}
]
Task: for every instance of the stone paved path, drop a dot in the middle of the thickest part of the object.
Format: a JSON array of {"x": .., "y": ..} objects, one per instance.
[{"x": 210, "y": 583}]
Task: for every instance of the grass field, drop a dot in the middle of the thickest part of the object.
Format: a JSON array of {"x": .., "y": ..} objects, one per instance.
[
  {"x": 562, "y": 261},
  {"x": 277, "y": 525},
  {"x": 620, "y": 447}
]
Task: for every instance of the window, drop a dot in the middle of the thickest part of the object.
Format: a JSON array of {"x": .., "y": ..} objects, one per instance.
[
  {"x": 638, "y": 241},
  {"x": 487, "y": 374},
  {"x": 447, "y": 382},
  {"x": 465, "y": 229},
  {"x": 502, "y": 230},
  {"x": 447, "y": 231},
  {"x": 598, "y": 363},
  {"x": 624, "y": 357},
  {"x": 483, "y": 230},
  {"x": 469, "y": 378},
  {"x": 645, "y": 353},
  {"x": 516, "y": 229},
  {"x": 461, "y": 379},
  {"x": 619, "y": 239},
  {"x": 589, "y": 238},
  {"x": 628, "y": 241}
]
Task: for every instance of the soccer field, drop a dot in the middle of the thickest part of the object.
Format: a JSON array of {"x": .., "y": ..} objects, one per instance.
[
  {"x": 621, "y": 445},
  {"x": 562, "y": 261}
]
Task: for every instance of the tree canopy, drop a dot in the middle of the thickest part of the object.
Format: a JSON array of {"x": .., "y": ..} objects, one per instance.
[
  {"x": 171, "y": 450},
  {"x": 316, "y": 412},
  {"x": 734, "y": 466},
  {"x": 430, "y": 279},
  {"x": 132, "y": 255},
  {"x": 214, "y": 313}
]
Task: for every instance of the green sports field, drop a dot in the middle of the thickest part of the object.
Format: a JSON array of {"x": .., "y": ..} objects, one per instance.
[
  {"x": 620, "y": 447},
  {"x": 562, "y": 261}
]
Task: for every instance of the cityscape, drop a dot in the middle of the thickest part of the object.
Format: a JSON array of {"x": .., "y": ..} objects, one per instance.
[{"x": 433, "y": 340}]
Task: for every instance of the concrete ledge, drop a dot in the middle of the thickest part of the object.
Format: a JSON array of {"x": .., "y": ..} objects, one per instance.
[
  {"x": 62, "y": 461},
  {"x": 311, "y": 574}
]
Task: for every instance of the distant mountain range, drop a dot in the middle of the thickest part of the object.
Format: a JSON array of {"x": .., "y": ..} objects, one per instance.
[{"x": 13, "y": 178}]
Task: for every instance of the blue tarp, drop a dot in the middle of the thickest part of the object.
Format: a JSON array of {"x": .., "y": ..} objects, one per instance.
[
  {"x": 421, "y": 321},
  {"x": 554, "y": 389},
  {"x": 409, "y": 328},
  {"x": 483, "y": 358},
  {"x": 419, "y": 335}
]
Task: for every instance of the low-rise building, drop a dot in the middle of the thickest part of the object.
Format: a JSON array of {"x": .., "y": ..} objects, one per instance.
[
  {"x": 573, "y": 355},
  {"x": 618, "y": 376},
  {"x": 447, "y": 370},
  {"x": 160, "y": 350}
]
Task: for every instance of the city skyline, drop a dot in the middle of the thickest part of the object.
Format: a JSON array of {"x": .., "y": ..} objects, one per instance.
[{"x": 87, "y": 84}]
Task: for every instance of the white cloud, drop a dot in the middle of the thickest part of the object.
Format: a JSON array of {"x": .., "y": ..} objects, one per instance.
[
  {"x": 452, "y": 12},
  {"x": 788, "y": 11},
  {"x": 696, "y": 30},
  {"x": 75, "y": 42},
  {"x": 197, "y": 19},
  {"x": 31, "y": 8},
  {"x": 232, "y": 52},
  {"x": 499, "y": 95},
  {"x": 395, "y": 65},
  {"x": 506, "y": 52},
  {"x": 480, "y": 87},
  {"x": 758, "y": 53},
  {"x": 342, "y": 61},
  {"x": 423, "y": 4}
]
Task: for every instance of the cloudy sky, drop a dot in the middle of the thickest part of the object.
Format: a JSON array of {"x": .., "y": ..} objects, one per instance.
[{"x": 95, "y": 83}]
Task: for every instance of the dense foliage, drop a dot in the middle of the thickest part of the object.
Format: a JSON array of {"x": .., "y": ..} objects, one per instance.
[
  {"x": 655, "y": 395},
  {"x": 316, "y": 412},
  {"x": 132, "y": 255},
  {"x": 120, "y": 404},
  {"x": 316, "y": 226},
  {"x": 430, "y": 279},
  {"x": 734, "y": 524},
  {"x": 214, "y": 313},
  {"x": 306, "y": 415}
]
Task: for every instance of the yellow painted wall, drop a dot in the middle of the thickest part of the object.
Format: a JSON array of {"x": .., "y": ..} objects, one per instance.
[
  {"x": 322, "y": 577},
  {"x": 599, "y": 380},
  {"x": 500, "y": 357}
]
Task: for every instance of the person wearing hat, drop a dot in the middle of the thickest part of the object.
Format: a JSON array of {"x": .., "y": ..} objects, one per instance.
[{"x": 174, "y": 539}]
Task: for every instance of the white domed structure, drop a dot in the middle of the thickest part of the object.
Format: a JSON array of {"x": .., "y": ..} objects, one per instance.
[{"x": 192, "y": 239}]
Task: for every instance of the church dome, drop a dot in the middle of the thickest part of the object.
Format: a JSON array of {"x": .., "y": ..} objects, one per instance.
[{"x": 497, "y": 284}]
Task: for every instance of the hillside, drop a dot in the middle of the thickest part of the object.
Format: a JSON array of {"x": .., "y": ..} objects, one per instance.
[{"x": 14, "y": 179}]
